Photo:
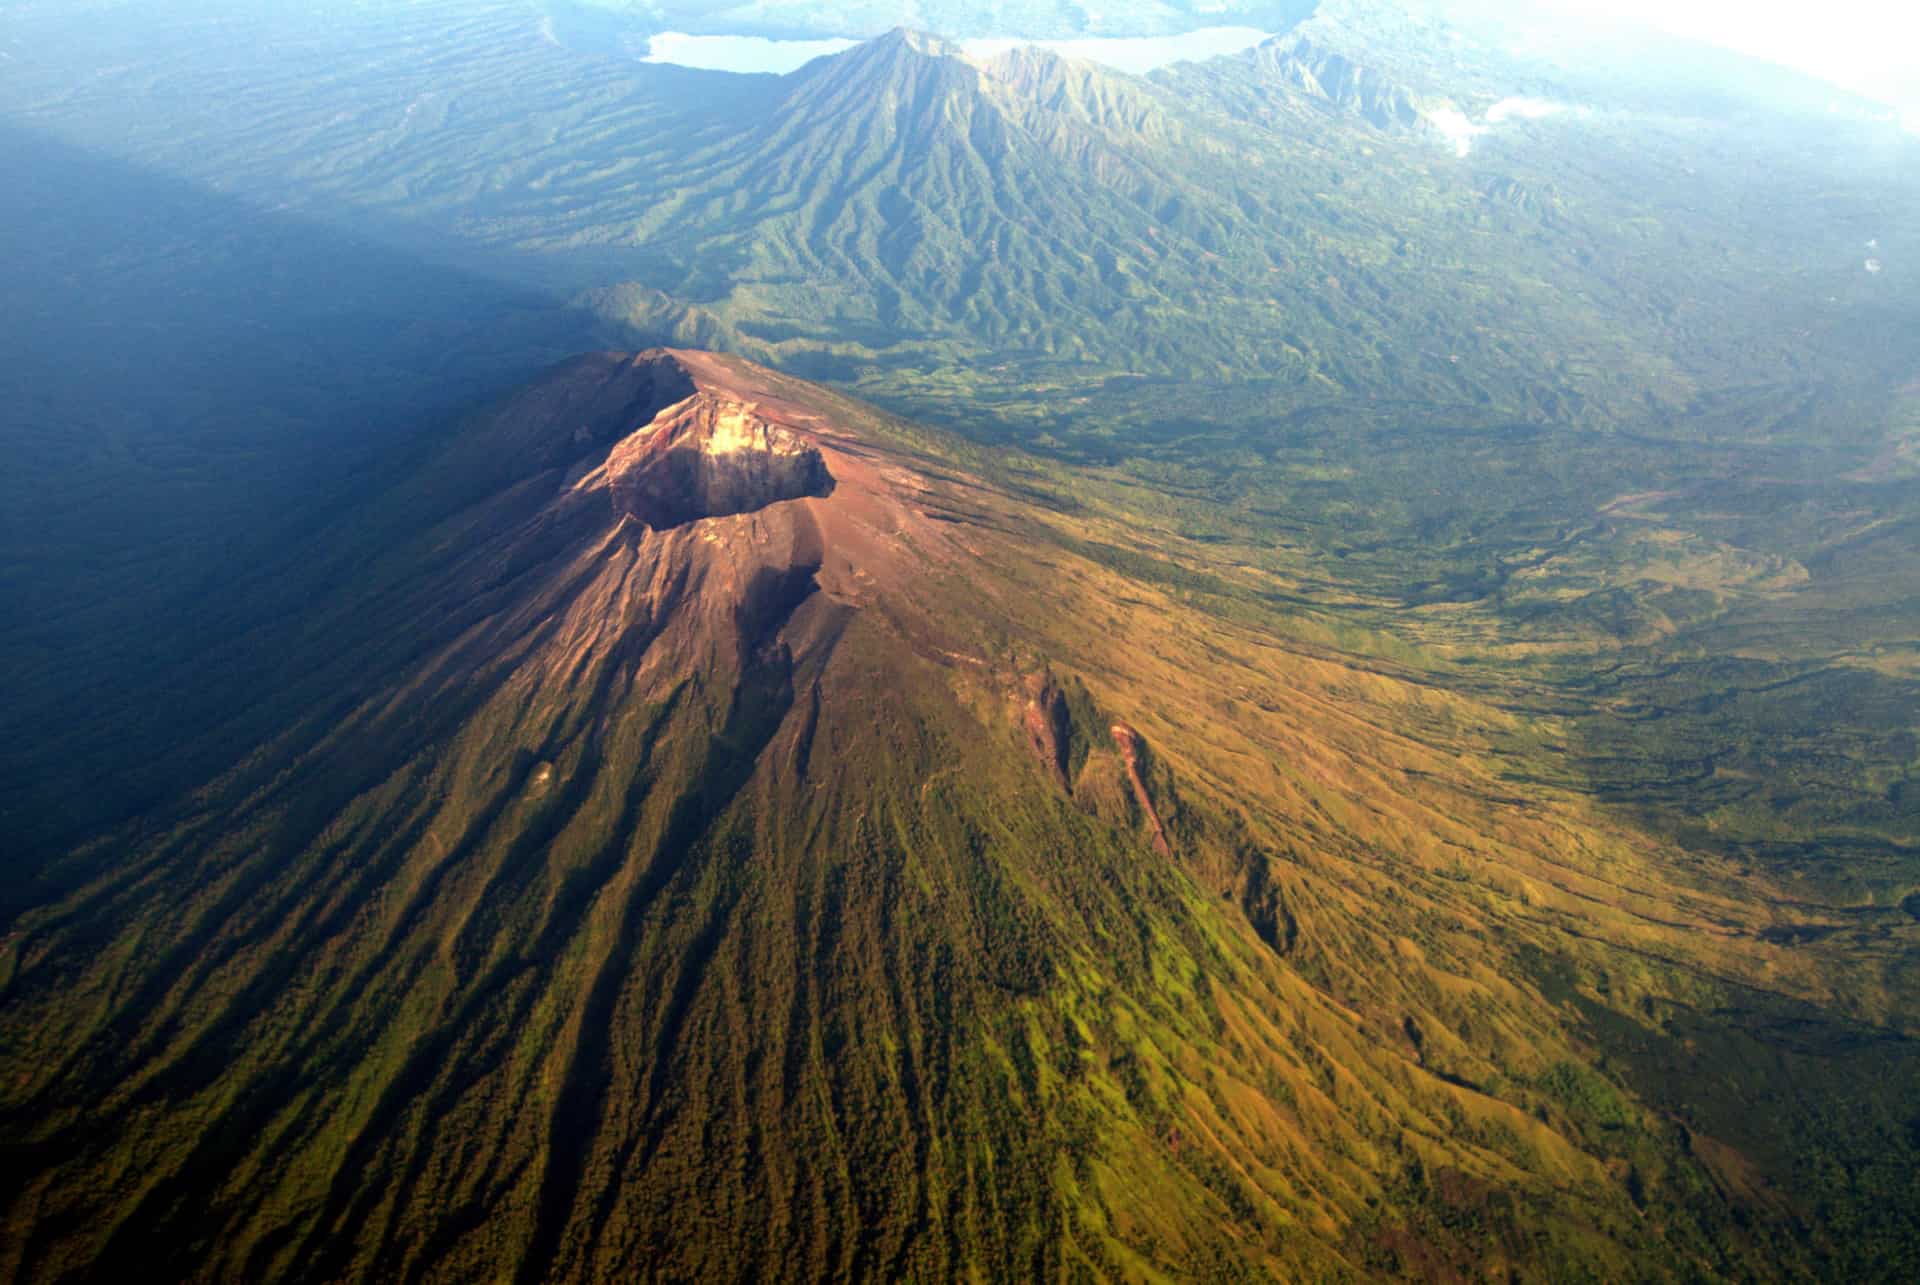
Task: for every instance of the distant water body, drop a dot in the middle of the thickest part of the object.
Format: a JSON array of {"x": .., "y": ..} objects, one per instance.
[
  {"x": 1136, "y": 54},
  {"x": 739, "y": 53}
]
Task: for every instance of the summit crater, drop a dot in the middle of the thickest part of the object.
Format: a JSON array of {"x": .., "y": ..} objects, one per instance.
[{"x": 710, "y": 456}]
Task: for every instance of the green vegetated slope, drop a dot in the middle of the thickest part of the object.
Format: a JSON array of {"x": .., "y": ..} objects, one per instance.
[{"x": 867, "y": 884}]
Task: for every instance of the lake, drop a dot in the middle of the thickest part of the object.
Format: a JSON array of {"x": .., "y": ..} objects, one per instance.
[{"x": 1136, "y": 54}]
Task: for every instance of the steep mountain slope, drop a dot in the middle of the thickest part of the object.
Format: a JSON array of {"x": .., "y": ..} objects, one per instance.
[{"x": 729, "y": 831}]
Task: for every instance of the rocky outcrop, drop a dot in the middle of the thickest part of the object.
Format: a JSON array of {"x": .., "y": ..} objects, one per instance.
[
  {"x": 1049, "y": 728},
  {"x": 1133, "y": 752},
  {"x": 1060, "y": 723}
]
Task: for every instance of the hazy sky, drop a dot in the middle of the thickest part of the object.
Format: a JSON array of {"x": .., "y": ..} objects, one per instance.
[{"x": 1870, "y": 46}]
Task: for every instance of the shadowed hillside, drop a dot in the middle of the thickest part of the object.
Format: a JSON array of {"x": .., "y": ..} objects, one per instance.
[{"x": 191, "y": 385}]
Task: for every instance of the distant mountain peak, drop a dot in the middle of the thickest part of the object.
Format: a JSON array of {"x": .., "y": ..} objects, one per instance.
[
  {"x": 920, "y": 42},
  {"x": 903, "y": 56},
  {"x": 1031, "y": 64}
]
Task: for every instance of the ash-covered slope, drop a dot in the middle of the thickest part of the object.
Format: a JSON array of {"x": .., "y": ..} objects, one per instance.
[{"x": 744, "y": 837}]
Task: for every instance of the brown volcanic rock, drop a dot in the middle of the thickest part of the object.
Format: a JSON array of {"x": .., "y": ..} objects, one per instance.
[{"x": 1132, "y": 752}]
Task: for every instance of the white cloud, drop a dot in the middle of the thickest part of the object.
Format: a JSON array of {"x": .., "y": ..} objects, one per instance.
[
  {"x": 1524, "y": 108},
  {"x": 1456, "y": 128},
  {"x": 1460, "y": 130}
]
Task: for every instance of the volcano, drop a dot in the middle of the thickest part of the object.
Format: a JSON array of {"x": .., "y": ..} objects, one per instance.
[{"x": 723, "y": 831}]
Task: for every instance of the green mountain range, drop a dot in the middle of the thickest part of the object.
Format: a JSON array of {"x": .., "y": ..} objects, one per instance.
[{"x": 1299, "y": 668}]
